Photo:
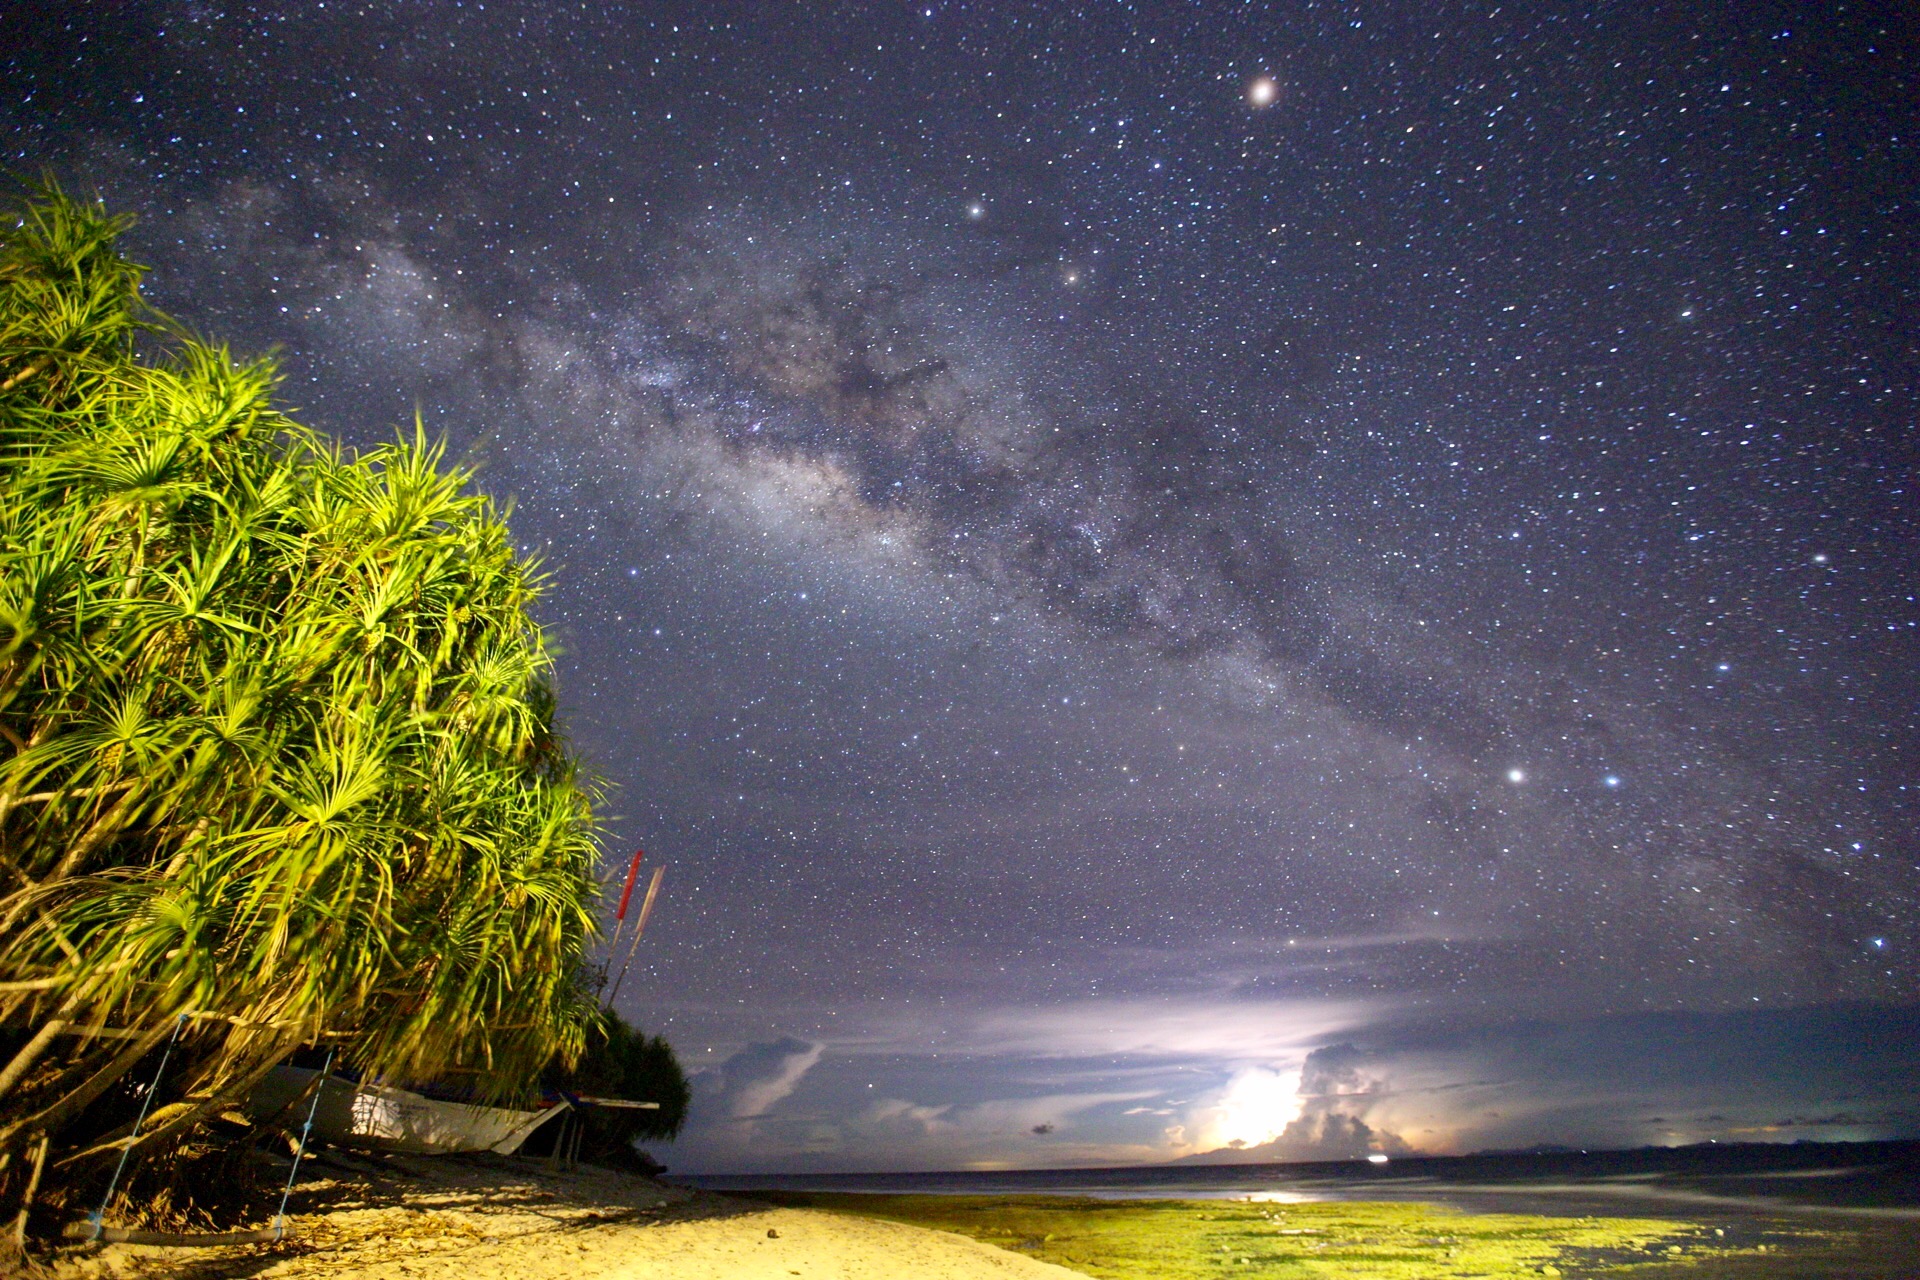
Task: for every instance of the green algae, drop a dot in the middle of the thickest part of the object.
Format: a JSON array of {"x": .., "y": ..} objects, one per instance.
[{"x": 1186, "y": 1240}]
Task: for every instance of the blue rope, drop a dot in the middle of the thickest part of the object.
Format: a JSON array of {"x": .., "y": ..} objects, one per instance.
[
  {"x": 99, "y": 1216},
  {"x": 280, "y": 1218}
]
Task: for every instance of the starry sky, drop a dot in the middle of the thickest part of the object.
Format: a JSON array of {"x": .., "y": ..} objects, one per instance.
[{"x": 1296, "y": 577}]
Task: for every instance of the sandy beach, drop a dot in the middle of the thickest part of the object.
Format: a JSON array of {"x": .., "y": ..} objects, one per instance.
[
  {"x": 421, "y": 1219},
  {"x": 360, "y": 1216}
]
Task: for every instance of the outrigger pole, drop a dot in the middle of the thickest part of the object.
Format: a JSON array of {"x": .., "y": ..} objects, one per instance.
[
  {"x": 639, "y": 927},
  {"x": 620, "y": 916}
]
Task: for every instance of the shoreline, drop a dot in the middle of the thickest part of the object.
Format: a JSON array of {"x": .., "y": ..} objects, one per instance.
[
  {"x": 362, "y": 1217},
  {"x": 492, "y": 1218}
]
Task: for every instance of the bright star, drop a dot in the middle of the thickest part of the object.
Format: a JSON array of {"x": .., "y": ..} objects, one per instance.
[
  {"x": 1516, "y": 775},
  {"x": 1262, "y": 92},
  {"x": 1611, "y": 780},
  {"x": 976, "y": 211}
]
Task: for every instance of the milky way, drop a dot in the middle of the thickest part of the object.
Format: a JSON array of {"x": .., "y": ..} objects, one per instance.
[{"x": 1325, "y": 575}]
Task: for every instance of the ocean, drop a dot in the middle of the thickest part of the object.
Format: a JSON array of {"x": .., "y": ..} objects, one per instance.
[{"x": 1858, "y": 1180}]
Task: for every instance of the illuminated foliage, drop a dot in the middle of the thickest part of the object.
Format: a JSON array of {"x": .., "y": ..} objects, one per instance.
[{"x": 278, "y": 763}]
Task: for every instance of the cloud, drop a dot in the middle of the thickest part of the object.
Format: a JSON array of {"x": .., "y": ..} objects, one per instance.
[
  {"x": 1336, "y": 1093},
  {"x": 1609, "y": 1082},
  {"x": 1335, "y": 1096},
  {"x": 749, "y": 1084},
  {"x": 1051, "y": 1128},
  {"x": 898, "y": 1113},
  {"x": 1213, "y": 1030},
  {"x": 1255, "y": 1105},
  {"x": 892, "y": 1132}
]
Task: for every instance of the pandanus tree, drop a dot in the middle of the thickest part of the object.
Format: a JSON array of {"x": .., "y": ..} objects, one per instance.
[{"x": 278, "y": 758}]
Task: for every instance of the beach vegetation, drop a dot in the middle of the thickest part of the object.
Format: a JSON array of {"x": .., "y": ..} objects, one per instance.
[
  {"x": 623, "y": 1062},
  {"x": 279, "y": 763}
]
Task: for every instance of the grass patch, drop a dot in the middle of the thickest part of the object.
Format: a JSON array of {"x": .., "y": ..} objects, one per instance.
[{"x": 1188, "y": 1239}]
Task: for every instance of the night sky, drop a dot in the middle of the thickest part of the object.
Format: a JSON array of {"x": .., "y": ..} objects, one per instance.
[{"x": 1336, "y": 576}]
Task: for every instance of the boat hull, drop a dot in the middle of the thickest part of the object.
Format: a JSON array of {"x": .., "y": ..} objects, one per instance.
[{"x": 388, "y": 1119}]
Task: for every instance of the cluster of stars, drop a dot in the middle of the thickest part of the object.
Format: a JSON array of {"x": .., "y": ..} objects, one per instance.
[{"x": 1273, "y": 476}]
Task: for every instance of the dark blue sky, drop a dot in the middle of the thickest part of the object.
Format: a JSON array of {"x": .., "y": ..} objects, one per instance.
[{"x": 1175, "y": 572}]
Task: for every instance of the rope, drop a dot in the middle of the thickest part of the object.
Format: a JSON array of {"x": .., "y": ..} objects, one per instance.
[
  {"x": 99, "y": 1216},
  {"x": 280, "y": 1218}
]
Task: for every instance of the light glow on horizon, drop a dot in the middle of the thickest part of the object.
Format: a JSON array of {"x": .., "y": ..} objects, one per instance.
[{"x": 1256, "y": 1107}]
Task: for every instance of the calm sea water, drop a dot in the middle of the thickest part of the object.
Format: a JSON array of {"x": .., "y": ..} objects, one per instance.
[{"x": 1860, "y": 1181}]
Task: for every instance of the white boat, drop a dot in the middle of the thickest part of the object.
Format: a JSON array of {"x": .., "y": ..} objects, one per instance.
[{"x": 353, "y": 1114}]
